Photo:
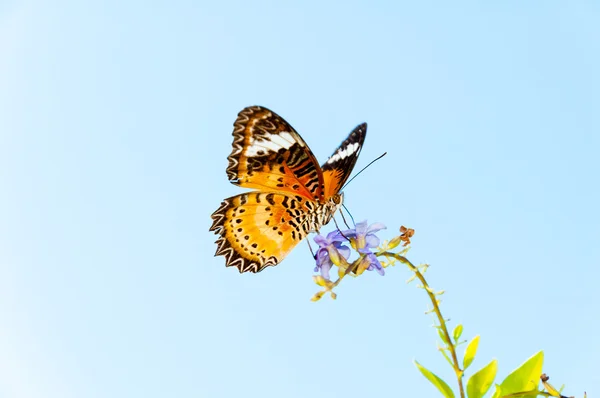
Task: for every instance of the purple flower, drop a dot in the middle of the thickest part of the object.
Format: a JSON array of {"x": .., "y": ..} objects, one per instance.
[
  {"x": 364, "y": 235},
  {"x": 370, "y": 262},
  {"x": 364, "y": 239},
  {"x": 330, "y": 250}
]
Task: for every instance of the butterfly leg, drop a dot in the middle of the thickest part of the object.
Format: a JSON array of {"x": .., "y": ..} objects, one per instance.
[
  {"x": 311, "y": 250},
  {"x": 338, "y": 228}
]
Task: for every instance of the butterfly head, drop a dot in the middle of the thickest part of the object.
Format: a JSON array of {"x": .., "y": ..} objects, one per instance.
[
  {"x": 337, "y": 200},
  {"x": 331, "y": 206}
]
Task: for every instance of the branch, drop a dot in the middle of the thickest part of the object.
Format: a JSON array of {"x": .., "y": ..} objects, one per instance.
[{"x": 438, "y": 312}]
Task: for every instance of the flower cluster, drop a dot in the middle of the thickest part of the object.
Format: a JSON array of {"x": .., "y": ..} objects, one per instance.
[{"x": 334, "y": 250}]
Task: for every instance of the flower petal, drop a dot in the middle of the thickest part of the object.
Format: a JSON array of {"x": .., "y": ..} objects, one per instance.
[
  {"x": 344, "y": 251},
  {"x": 349, "y": 233},
  {"x": 362, "y": 227},
  {"x": 335, "y": 236},
  {"x": 321, "y": 241},
  {"x": 322, "y": 256},
  {"x": 372, "y": 241},
  {"x": 375, "y": 264},
  {"x": 375, "y": 227},
  {"x": 325, "y": 270},
  {"x": 365, "y": 250}
]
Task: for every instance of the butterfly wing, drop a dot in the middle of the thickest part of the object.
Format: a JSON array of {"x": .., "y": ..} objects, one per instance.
[
  {"x": 258, "y": 229},
  {"x": 269, "y": 155},
  {"x": 338, "y": 167}
]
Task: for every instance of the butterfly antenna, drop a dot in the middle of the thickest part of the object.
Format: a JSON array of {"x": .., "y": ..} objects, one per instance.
[{"x": 363, "y": 169}]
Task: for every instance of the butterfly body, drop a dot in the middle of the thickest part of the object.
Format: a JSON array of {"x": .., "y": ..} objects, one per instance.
[{"x": 293, "y": 195}]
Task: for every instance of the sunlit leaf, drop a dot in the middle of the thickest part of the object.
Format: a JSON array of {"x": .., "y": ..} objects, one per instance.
[
  {"x": 481, "y": 381},
  {"x": 525, "y": 378},
  {"x": 457, "y": 332},
  {"x": 436, "y": 381},
  {"x": 470, "y": 352}
]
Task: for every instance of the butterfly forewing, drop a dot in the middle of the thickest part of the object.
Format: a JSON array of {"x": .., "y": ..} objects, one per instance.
[
  {"x": 268, "y": 154},
  {"x": 338, "y": 167}
]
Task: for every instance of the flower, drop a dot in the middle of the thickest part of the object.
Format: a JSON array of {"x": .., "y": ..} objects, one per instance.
[
  {"x": 370, "y": 263},
  {"x": 364, "y": 236},
  {"x": 330, "y": 252},
  {"x": 363, "y": 239},
  {"x": 407, "y": 233}
]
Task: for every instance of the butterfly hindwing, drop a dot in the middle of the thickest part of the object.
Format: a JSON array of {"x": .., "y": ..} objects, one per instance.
[
  {"x": 258, "y": 229},
  {"x": 268, "y": 154},
  {"x": 338, "y": 167}
]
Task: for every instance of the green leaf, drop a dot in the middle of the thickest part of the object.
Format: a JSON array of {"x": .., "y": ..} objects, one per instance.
[
  {"x": 470, "y": 352},
  {"x": 442, "y": 335},
  {"x": 457, "y": 332},
  {"x": 525, "y": 378},
  {"x": 481, "y": 381},
  {"x": 443, "y": 351},
  {"x": 436, "y": 381}
]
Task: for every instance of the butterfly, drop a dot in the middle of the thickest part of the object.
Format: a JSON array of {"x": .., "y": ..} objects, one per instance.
[{"x": 292, "y": 195}]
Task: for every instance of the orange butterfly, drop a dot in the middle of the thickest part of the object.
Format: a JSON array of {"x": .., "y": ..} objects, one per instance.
[{"x": 294, "y": 195}]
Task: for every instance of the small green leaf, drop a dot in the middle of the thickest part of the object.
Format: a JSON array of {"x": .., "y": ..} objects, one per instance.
[
  {"x": 457, "y": 332},
  {"x": 481, "y": 381},
  {"x": 470, "y": 352},
  {"x": 436, "y": 381},
  {"x": 525, "y": 378},
  {"x": 497, "y": 391},
  {"x": 443, "y": 351},
  {"x": 442, "y": 335}
]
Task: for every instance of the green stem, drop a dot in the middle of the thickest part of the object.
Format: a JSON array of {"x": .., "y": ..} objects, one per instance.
[
  {"x": 349, "y": 268},
  {"x": 436, "y": 308}
]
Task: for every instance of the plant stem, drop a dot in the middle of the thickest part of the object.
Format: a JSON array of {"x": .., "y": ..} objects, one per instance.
[{"x": 438, "y": 312}]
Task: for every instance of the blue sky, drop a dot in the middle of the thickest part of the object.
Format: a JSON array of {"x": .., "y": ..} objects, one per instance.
[{"x": 115, "y": 126}]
